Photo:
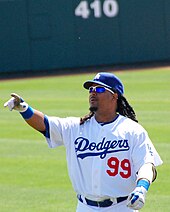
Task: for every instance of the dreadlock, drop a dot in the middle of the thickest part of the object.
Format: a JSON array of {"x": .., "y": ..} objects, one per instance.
[
  {"x": 86, "y": 117},
  {"x": 123, "y": 108}
]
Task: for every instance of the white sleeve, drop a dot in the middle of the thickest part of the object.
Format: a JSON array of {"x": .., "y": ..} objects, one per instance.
[
  {"x": 61, "y": 129},
  {"x": 54, "y": 132},
  {"x": 144, "y": 151}
]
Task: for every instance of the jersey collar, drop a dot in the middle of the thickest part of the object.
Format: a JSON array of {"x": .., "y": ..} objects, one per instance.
[{"x": 104, "y": 123}]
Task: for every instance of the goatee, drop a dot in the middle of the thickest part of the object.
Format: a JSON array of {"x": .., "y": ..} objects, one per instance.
[{"x": 93, "y": 109}]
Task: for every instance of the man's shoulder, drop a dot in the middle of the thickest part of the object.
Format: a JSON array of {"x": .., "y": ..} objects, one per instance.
[
  {"x": 65, "y": 120},
  {"x": 129, "y": 123}
]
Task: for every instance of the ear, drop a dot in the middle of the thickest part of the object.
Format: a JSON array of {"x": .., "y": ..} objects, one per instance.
[{"x": 115, "y": 96}]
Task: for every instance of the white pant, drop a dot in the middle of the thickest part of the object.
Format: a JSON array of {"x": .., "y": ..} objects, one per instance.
[{"x": 120, "y": 207}]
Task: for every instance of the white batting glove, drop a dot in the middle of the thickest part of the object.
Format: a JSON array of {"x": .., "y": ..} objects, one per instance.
[
  {"x": 16, "y": 103},
  {"x": 136, "y": 199}
]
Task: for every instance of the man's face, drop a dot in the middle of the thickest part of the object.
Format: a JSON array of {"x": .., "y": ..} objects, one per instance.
[{"x": 102, "y": 101}]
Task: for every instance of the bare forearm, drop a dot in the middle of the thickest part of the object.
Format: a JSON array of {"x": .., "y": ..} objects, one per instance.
[{"x": 37, "y": 121}]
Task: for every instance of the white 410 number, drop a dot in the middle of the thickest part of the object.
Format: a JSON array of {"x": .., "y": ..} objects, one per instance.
[{"x": 110, "y": 8}]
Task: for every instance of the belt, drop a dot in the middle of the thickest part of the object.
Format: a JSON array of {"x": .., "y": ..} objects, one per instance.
[{"x": 103, "y": 204}]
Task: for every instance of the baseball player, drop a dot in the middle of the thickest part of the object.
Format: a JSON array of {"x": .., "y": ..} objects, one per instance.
[{"x": 111, "y": 160}]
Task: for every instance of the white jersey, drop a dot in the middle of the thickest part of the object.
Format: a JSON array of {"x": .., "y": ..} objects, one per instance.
[{"x": 103, "y": 160}]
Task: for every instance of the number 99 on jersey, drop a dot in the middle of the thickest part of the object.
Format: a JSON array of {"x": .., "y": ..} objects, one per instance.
[{"x": 97, "y": 8}]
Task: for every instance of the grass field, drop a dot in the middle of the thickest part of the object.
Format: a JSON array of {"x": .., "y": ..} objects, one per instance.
[{"x": 34, "y": 178}]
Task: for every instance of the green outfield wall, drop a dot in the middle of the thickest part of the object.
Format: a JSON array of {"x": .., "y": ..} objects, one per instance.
[{"x": 55, "y": 34}]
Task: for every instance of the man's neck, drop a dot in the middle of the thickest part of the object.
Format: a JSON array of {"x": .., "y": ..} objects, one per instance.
[{"x": 105, "y": 117}]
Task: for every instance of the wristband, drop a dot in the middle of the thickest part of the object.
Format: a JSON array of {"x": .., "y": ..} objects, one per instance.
[
  {"x": 28, "y": 113},
  {"x": 144, "y": 183}
]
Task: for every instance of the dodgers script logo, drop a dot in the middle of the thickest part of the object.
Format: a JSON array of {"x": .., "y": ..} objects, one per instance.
[{"x": 85, "y": 148}]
